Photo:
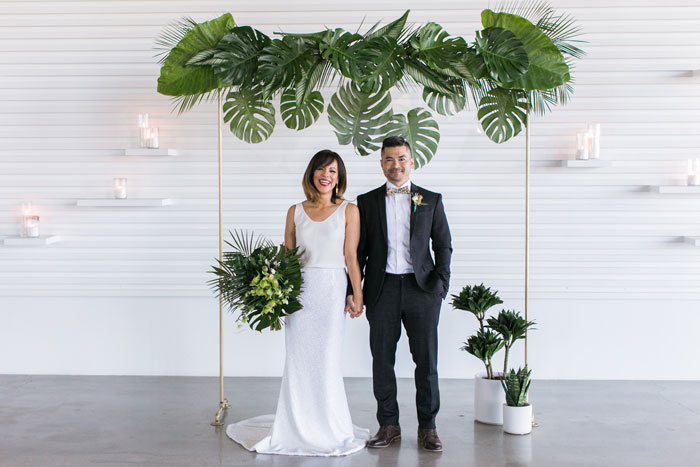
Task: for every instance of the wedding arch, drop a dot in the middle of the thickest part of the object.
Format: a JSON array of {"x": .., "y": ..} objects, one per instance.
[{"x": 519, "y": 64}]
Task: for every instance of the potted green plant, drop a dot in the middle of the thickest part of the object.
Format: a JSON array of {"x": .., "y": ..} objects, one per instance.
[
  {"x": 517, "y": 411},
  {"x": 494, "y": 334}
]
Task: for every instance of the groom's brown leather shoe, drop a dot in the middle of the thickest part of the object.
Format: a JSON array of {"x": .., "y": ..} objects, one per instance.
[
  {"x": 428, "y": 439},
  {"x": 386, "y": 435}
]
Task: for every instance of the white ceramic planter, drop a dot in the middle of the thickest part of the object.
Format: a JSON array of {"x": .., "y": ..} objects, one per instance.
[
  {"x": 517, "y": 420},
  {"x": 488, "y": 399}
]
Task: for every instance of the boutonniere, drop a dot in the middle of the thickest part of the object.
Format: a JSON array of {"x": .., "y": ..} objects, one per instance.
[{"x": 417, "y": 199}]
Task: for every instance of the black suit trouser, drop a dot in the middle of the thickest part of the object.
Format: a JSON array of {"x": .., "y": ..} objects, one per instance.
[{"x": 401, "y": 300}]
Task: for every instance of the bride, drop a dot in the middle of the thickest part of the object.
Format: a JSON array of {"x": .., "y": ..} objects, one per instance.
[{"x": 313, "y": 418}]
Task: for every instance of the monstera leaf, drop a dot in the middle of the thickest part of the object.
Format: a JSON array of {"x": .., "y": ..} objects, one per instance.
[
  {"x": 250, "y": 116},
  {"x": 299, "y": 115},
  {"x": 421, "y": 132},
  {"x": 359, "y": 116},
  {"x": 436, "y": 49},
  {"x": 503, "y": 112},
  {"x": 237, "y": 58},
  {"x": 547, "y": 68},
  {"x": 380, "y": 64},
  {"x": 302, "y": 105},
  {"x": 504, "y": 56},
  {"x": 177, "y": 78},
  {"x": 339, "y": 48},
  {"x": 283, "y": 62}
]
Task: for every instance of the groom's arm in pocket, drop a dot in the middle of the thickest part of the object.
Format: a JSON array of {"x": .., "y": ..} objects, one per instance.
[{"x": 441, "y": 244}]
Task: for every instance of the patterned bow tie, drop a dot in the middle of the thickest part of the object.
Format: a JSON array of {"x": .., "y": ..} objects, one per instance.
[{"x": 405, "y": 190}]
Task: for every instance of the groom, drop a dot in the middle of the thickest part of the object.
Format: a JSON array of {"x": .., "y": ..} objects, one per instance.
[{"x": 400, "y": 222}]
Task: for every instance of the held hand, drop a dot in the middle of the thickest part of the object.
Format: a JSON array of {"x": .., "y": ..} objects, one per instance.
[
  {"x": 357, "y": 308},
  {"x": 349, "y": 305}
]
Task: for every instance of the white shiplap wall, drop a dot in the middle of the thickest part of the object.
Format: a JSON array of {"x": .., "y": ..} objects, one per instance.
[{"x": 607, "y": 255}]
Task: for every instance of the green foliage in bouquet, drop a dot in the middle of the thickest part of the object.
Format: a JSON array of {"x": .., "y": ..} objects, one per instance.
[
  {"x": 516, "y": 385},
  {"x": 261, "y": 280}
]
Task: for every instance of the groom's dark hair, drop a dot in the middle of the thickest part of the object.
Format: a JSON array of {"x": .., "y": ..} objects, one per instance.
[{"x": 395, "y": 141}]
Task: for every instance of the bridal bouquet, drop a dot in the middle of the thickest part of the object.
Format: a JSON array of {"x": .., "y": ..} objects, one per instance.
[{"x": 260, "y": 279}]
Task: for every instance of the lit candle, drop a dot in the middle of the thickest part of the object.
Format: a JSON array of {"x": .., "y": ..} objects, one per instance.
[
  {"x": 694, "y": 172},
  {"x": 31, "y": 226},
  {"x": 582, "y": 146},
  {"x": 120, "y": 188}
]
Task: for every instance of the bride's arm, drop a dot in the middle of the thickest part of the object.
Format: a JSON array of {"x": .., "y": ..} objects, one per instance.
[
  {"x": 290, "y": 237},
  {"x": 352, "y": 238}
]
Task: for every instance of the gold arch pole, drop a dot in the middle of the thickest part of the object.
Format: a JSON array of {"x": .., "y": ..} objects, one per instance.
[
  {"x": 527, "y": 216},
  {"x": 223, "y": 402}
]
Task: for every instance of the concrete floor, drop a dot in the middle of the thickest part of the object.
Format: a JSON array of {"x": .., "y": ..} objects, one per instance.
[{"x": 164, "y": 421}]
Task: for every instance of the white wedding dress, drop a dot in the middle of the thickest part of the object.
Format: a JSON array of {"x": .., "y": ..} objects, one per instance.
[{"x": 312, "y": 416}]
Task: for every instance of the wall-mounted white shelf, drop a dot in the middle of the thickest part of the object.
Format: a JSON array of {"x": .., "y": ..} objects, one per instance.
[
  {"x": 585, "y": 163},
  {"x": 26, "y": 241},
  {"x": 695, "y": 73},
  {"x": 675, "y": 189},
  {"x": 124, "y": 203},
  {"x": 695, "y": 241},
  {"x": 149, "y": 152}
]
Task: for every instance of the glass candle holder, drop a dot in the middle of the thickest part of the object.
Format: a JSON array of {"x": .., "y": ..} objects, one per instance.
[
  {"x": 593, "y": 133},
  {"x": 31, "y": 226},
  {"x": 151, "y": 138},
  {"x": 694, "y": 172},
  {"x": 120, "y": 188},
  {"x": 143, "y": 129},
  {"x": 26, "y": 209},
  {"x": 582, "y": 146}
]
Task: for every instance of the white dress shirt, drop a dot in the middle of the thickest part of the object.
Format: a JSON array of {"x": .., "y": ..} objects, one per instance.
[{"x": 398, "y": 230}]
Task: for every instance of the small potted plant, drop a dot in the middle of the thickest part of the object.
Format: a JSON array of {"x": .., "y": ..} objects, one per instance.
[
  {"x": 499, "y": 332},
  {"x": 517, "y": 412}
]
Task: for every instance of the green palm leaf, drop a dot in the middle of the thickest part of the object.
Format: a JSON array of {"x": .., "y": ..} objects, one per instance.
[
  {"x": 171, "y": 36},
  {"x": 504, "y": 56},
  {"x": 428, "y": 77},
  {"x": 421, "y": 132},
  {"x": 502, "y": 113},
  {"x": 435, "y": 48},
  {"x": 238, "y": 54},
  {"x": 358, "y": 117},
  {"x": 250, "y": 116},
  {"x": 380, "y": 64},
  {"x": 447, "y": 104},
  {"x": 177, "y": 78},
  {"x": 547, "y": 68},
  {"x": 393, "y": 30},
  {"x": 283, "y": 62}
]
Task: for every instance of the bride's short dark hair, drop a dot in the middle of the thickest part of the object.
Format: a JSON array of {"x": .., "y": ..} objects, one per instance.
[{"x": 322, "y": 159}]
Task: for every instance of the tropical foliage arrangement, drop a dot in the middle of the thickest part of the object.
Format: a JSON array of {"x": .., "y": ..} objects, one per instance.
[
  {"x": 519, "y": 62},
  {"x": 501, "y": 331},
  {"x": 261, "y": 280},
  {"x": 516, "y": 385}
]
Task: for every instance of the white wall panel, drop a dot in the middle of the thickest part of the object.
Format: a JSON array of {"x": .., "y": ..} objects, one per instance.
[{"x": 606, "y": 252}]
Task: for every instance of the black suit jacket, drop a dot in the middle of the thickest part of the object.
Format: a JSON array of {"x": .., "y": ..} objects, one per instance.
[{"x": 428, "y": 225}]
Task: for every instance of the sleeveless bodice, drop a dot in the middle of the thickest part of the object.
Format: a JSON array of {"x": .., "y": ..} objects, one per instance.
[{"x": 322, "y": 242}]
